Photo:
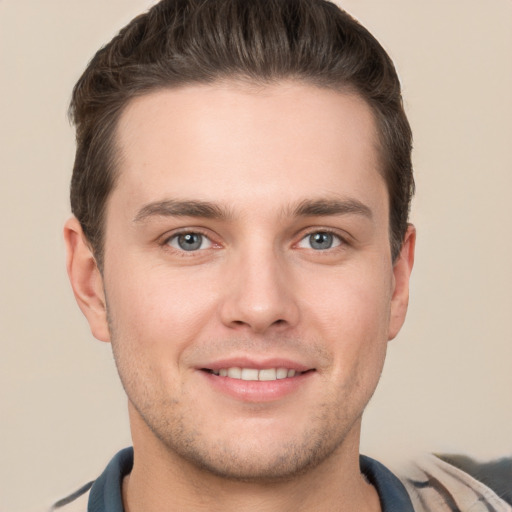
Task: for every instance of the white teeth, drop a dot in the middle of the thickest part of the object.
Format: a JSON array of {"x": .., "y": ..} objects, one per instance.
[
  {"x": 235, "y": 373},
  {"x": 250, "y": 374},
  {"x": 282, "y": 373},
  {"x": 266, "y": 374}
]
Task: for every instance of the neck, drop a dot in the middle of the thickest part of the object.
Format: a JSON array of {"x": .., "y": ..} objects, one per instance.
[{"x": 164, "y": 481}]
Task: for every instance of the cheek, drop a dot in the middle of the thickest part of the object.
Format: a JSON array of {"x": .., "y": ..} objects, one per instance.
[
  {"x": 159, "y": 309},
  {"x": 351, "y": 301},
  {"x": 351, "y": 315}
]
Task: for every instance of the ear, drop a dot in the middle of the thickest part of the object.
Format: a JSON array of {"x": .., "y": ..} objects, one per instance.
[
  {"x": 402, "y": 269},
  {"x": 86, "y": 279}
]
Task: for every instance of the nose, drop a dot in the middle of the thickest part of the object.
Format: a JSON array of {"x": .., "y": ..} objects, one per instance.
[{"x": 259, "y": 294}]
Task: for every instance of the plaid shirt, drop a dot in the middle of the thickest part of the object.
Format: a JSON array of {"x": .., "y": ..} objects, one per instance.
[{"x": 429, "y": 484}]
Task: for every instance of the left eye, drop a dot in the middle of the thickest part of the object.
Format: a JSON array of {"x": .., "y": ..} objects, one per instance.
[
  {"x": 189, "y": 242},
  {"x": 320, "y": 241}
]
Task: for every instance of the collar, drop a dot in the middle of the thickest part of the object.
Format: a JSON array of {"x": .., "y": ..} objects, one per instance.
[{"x": 106, "y": 496}]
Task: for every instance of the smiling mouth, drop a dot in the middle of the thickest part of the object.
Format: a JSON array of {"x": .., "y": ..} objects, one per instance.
[{"x": 254, "y": 374}]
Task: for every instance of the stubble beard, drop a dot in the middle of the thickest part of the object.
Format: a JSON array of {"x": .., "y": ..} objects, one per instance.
[
  {"x": 244, "y": 460},
  {"x": 171, "y": 422}
]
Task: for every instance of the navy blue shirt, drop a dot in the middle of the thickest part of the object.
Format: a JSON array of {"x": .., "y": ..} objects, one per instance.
[{"x": 106, "y": 494}]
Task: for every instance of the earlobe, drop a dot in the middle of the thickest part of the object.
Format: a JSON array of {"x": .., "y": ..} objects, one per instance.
[
  {"x": 402, "y": 269},
  {"x": 86, "y": 279}
]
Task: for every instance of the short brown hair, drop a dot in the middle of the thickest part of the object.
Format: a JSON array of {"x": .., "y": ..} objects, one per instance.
[{"x": 179, "y": 42}]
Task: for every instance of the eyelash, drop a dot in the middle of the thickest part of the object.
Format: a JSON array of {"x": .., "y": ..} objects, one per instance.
[
  {"x": 339, "y": 241},
  {"x": 166, "y": 242}
]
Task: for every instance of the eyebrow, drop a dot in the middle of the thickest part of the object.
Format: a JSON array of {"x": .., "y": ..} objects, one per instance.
[
  {"x": 326, "y": 207},
  {"x": 175, "y": 208},
  {"x": 208, "y": 210}
]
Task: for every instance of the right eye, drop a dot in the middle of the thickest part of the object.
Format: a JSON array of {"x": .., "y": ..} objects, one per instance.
[{"x": 189, "y": 242}]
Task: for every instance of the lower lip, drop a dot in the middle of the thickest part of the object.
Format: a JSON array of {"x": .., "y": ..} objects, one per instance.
[{"x": 257, "y": 390}]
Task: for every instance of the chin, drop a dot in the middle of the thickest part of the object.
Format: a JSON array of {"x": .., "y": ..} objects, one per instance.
[
  {"x": 255, "y": 456},
  {"x": 260, "y": 467}
]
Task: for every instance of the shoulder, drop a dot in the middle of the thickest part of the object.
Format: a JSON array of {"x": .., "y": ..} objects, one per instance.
[
  {"x": 103, "y": 494},
  {"x": 443, "y": 484},
  {"x": 75, "y": 502}
]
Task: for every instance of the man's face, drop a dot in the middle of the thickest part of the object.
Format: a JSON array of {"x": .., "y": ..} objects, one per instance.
[{"x": 248, "y": 235}]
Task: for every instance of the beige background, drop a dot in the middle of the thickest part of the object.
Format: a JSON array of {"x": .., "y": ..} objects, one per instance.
[{"x": 448, "y": 380}]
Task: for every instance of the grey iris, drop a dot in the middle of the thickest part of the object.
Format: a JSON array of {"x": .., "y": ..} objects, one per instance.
[
  {"x": 190, "y": 241},
  {"x": 321, "y": 240}
]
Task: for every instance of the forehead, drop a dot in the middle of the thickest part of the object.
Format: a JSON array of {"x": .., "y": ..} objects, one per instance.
[{"x": 231, "y": 141}]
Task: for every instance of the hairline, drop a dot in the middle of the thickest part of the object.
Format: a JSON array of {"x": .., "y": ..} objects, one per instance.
[{"x": 115, "y": 157}]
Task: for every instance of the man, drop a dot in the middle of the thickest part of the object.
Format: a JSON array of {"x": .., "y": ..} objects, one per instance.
[{"x": 240, "y": 236}]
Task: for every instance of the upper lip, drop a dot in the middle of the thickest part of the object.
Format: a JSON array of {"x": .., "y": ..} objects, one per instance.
[{"x": 256, "y": 363}]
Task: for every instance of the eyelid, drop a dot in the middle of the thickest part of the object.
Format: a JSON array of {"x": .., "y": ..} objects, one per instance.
[
  {"x": 175, "y": 238},
  {"x": 166, "y": 239},
  {"x": 305, "y": 234},
  {"x": 343, "y": 239}
]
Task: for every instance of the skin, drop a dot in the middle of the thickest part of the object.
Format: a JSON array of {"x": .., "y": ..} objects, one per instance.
[{"x": 275, "y": 164}]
